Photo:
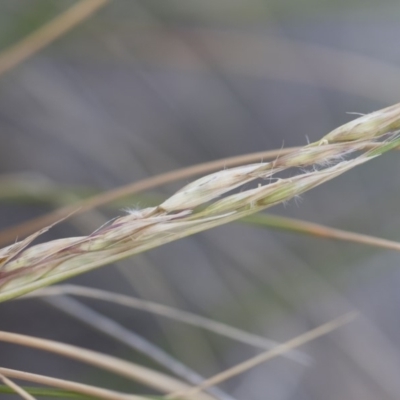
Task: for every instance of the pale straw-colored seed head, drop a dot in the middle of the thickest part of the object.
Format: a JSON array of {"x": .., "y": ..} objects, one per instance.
[
  {"x": 368, "y": 126},
  {"x": 198, "y": 206}
]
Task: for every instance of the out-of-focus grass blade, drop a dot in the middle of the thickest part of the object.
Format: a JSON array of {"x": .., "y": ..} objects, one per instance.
[{"x": 312, "y": 229}]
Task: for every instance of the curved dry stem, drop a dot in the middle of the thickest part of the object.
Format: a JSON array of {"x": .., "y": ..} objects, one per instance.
[
  {"x": 322, "y": 231},
  {"x": 116, "y": 331},
  {"x": 48, "y": 33},
  {"x": 16, "y": 388},
  {"x": 146, "y": 376},
  {"x": 263, "y": 357},
  {"x": 169, "y": 312},
  {"x": 81, "y": 388}
]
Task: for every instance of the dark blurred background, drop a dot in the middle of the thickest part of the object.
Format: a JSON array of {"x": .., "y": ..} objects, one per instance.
[{"x": 144, "y": 87}]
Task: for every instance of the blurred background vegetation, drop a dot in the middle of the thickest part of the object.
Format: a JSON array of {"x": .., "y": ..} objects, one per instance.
[{"x": 144, "y": 87}]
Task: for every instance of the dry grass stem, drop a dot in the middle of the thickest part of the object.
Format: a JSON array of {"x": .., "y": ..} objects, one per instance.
[
  {"x": 17, "y": 389},
  {"x": 263, "y": 357},
  {"x": 130, "y": 370},
  {"x": 172, "y": 313},
  {"x": 48, "y": 33},
  {"x": 108, "y": 326},
  {"x": 322, "y": 231},
  {"x": 196, "y": 207},
  {"x": 81, "y": 388}
]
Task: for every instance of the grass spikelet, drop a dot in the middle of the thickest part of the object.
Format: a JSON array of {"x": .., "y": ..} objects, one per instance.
[{"x": 197, "y": 206}]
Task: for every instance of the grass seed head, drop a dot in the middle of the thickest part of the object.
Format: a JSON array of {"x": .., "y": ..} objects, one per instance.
[{"x": 24, "y": 269}]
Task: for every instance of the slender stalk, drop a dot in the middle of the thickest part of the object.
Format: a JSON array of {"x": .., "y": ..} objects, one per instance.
[
  {"x": 48, "y": 33},
  {"x": 318, "y": 230},
  {"x": 130, "y": 370},
  {"x": 16, "y": 388},
  {"x": 131, "y": 339},
  {"x": 169, "y": 312},
  {"x": 261, "y": 358},
  {"x": 88, "y": 390}
]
